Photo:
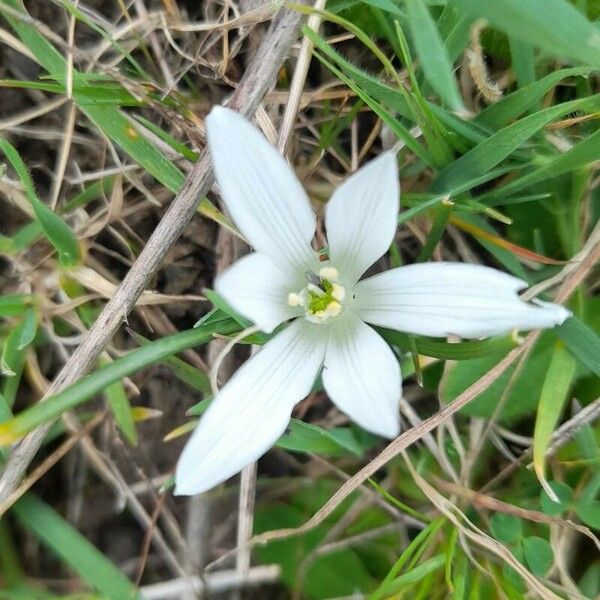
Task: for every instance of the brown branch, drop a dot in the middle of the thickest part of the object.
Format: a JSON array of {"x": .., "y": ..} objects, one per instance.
[{"x": 256, "y": 82}]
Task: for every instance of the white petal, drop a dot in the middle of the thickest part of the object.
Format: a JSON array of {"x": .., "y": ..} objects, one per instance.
[
  {"x": 262, "y": 194},
  {"x": 258, "y": 290},
  {"x": 362, "y": 376},
  {"x": 253, "y": 409},
  {"x": 362, "y": 217},
  {"x": 441, "y": 299}
]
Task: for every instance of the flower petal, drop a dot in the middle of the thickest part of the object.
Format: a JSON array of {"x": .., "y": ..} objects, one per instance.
[
  {"x": 441, "y": 299},
  {"x": 362, "y": 376},
  {"x": 253, "y": 409},
  {"x": 362, "y": 217},
  {"x": 262, "y": 194},
  {"x": 258, "y": 290}
]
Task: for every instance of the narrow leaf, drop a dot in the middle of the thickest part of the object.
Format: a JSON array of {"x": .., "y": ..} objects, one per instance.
[
  {"x": 582, "y": 341},
  {"x": 433, "y": 55},
  {"x": 514, "y": 105},
  {"x": 500, "y": 145},
  {"x": 91, "y": 385},
  {"x": 59, "y": 234},
  {"x": 79, "y": 554},
  {"x": 555, "y": 392}
]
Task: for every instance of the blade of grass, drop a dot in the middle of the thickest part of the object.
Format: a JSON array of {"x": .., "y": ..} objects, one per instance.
[
  {"x": 421, "y": 541},
  {"x": 440, "y": 220},
  {"x": 580, "y": 155},
  {"x": 554, "y": 395},
  {"x": 522, "y": 61},
  {"x": 433, "y": 55},
  {"x": 59, "y": 234},
  {"x": 94, "y": 383},
  {"x": 582, "y": 341},
  {"x": 451, "y": 351},
  {"x": 454, "y": 25},
  {"x": 195, "y": 378},
  {"x": 13, "y": 305},
  {"x": 84, "y": 558},
  {"x": 500, "y": 242},
  {"x": 503, "y": 143}
]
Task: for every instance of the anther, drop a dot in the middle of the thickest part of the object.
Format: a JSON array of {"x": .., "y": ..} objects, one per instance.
[{"x": 330, "y": 273}]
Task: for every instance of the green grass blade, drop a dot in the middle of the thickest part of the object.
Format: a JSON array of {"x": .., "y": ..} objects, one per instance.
[
  {"x": 13, "y": 305},
  {"x": 440, "y": 220},
  {"x": 192, "y": 376},
  {"x": 433, "y": 55},
  {"x": 79, "y": 554},
  {"x": 94, "y": 383},
  {"x": 125, "y": 133},
  {"x": 582, "y": 341},
  {"x": 500, "y": 145},
  {"x": 553, "y": 25},
  {"x": 554, "y": 394},
  {"x": 522, "y": 61},
  {"x": 580, "y": 155},
  {"x": 46, "y": 54},
  {"x": 450, "y": 351},
  {"x": 416, "y": 574},
  {"x": 120, "y": 408},
  {"x": 59, "y": 234},
  {"x": 514, "y": 105},
  {"x": 454, "y": 25}
]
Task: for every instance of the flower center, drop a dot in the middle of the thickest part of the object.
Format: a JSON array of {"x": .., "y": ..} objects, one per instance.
[{"x": 322, "y": 296}]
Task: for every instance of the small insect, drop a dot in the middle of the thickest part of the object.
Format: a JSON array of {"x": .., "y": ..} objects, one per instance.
[{"x": 314, "y": 279}]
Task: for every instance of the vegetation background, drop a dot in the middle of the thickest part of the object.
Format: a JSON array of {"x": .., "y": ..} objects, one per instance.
[{"x": 493, "y": 108}]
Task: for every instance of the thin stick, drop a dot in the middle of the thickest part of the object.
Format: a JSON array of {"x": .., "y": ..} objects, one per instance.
[
  {"x": 215, "y": 582},
  {"x": 298, "y": 80},
  {"x": 258, "y": 79}
]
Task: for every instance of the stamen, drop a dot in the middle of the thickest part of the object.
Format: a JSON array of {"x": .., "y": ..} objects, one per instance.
[
  {"x": 338, "y": 292},
  {"x": 333, "y": 309},
  {"x": 330, "y": 273},
  {"x": 295, "y": 299}
]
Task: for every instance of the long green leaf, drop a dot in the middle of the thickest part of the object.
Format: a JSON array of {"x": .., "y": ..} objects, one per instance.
[
  {"x": 581, "y": 154},
  {"x": 500, "y": 145},
  {"x": 554, "y": 394},
  {"x": 94, "y": 383},
  {"x": 433, "y": 55},
  {"x": 523, "y": 61},
  {"x": 450, "y": 351},
  {"x": 59, "y": 234},
  {"x": 12, "y": 305},
  {"x": 79, "y": 554},
  {"x": 582, "y": 341},
  {"x": 515, "y": 104}
]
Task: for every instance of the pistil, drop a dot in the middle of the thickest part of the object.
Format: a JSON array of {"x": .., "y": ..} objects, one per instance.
[{"x": 322, "y": 296}]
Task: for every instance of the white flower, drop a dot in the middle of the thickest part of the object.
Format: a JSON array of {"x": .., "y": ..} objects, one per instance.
[{"x": 329, "y": 305}]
